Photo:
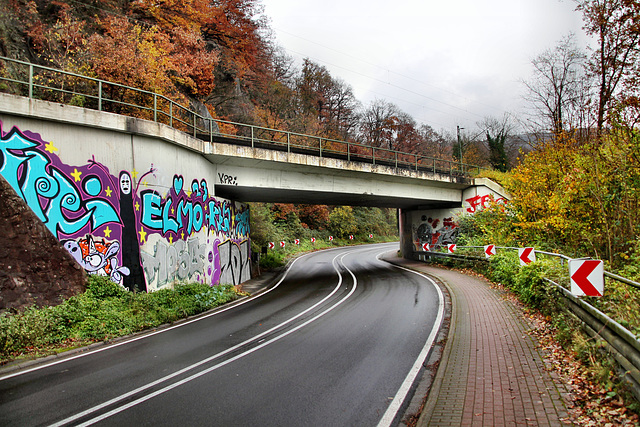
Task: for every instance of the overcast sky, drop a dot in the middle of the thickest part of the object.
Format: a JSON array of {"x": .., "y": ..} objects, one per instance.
[{"x": 445, "y": 62}]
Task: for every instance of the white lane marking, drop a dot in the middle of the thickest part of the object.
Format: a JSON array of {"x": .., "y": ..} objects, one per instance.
[
  {"x": 141, "y": 337},
  {"x": 401, "y": 395},
  {"x": 195, "y": 365}
]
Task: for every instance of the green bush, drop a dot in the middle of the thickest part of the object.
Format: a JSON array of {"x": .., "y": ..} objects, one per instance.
[
  {"x": 271, "y": 259},
  {"x": 531, "y": 286},
  {"x": 104, "y": 311},
  {"x": 102, "y": 287},
  {"x": 503, "y": 268}
]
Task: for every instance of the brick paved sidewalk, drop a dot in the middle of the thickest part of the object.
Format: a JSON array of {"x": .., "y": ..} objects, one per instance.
[{"x": 491, "y": 373}]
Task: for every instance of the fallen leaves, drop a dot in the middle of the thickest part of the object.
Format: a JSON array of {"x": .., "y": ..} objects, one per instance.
[{"x": 589, "y": 403}]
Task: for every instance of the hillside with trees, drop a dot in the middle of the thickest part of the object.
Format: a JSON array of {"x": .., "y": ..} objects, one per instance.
[
  {"x": 576, "y": 190},
  {"x": 219, "y": 58}
]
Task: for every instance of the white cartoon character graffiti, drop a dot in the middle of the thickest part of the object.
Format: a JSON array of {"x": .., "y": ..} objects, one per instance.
[{"x": 97, "y": 257}]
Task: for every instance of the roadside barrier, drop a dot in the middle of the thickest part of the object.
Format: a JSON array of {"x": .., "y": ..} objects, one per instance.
[{"x": 621, "y": 343}]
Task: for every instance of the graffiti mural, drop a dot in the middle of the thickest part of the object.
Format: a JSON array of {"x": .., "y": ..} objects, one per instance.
[
  {"x": 122, "y": 226},
  {"x": 181, "y": 260},
  {"x": 181, "y": 213},
  {"x": 97, "y": 257},
  {"x": 234, "y": 262},
  {"x": 478, "y": 203},
  {"x": 435, "y": 231}
]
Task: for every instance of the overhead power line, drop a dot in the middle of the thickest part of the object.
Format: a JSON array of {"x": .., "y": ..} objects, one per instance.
[{"x": 391, "y": 72}]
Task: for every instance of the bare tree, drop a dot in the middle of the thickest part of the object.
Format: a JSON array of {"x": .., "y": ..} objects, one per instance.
[
  {"x": 559, "y": 91},
  {"x": 378, "y": 125},
  {"x": 616, "y": 25},
  {"x": 329, "y": 102}
]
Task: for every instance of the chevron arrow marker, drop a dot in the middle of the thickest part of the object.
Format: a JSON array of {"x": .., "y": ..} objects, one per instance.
[{"x": 587, "y": 277}]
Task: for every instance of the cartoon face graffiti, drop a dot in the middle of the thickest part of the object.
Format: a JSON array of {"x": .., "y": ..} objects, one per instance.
[
  {"x": 125, "y": 182},
  {"x": 97, "y": 257}
]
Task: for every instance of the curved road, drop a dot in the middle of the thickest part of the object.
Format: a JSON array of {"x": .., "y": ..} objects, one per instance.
[{"x": 338, "y": 341}]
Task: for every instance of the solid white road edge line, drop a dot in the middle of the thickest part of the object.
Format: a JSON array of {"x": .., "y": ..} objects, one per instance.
[
  {"x": 199, "y": 374},
  {"x": 401, "y": 395}
]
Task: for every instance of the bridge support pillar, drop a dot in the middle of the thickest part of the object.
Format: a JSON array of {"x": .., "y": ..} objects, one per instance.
[{"x": 438, "y": 227}]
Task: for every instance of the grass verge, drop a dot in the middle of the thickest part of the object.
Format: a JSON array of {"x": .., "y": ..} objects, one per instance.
[{"x": 105, "y": 311}]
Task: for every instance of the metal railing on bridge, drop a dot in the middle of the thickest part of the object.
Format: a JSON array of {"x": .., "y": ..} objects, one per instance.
[{"x": 49, "y": 84}]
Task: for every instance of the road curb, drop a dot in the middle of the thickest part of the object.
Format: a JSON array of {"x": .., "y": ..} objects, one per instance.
[{"x": 427, "y": 378}]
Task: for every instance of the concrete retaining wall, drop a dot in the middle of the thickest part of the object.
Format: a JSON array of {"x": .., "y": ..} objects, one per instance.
[{"x": 130, "y": 199}]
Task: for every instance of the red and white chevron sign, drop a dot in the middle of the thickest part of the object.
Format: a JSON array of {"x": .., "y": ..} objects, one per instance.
[
  {"x": 587, "y": 277},
  {"x": 451, "y": 248},
  {"x": 313, "y": 240},
  {"x": 489, "y": 250},
  {"x": 371, "y": 236},
  {"x": 272, "y": 245},
  {"x": 526, "y": 255},
  {"x": 297, "y": 241},
  {"x": 426, "y": 247},
  {"x": 282, "y": 244},
  {"x": 350, "y": 236},
  {"x": 330, "y": 238}
]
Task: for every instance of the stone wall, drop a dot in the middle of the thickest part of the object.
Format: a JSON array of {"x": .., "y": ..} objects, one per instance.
[{"x": 35, "y": 269}]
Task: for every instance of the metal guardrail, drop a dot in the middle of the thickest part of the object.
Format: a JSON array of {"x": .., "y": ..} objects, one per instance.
[
  {"x": 45, "y": 83},
  {"x": 621, "y": 343}
]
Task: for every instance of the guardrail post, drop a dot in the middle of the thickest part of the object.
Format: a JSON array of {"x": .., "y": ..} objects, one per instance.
[
  {"x": 373, "y": 155},
  {"x": 252, "y": 137},
  {"x": 30, "y": 80},
  {"x": 434, "y": 165},
  {"x": 170, "y": 113},
  {"x": 320, "y": 145},
  {"x": 100, "y": 95},
  {"x": 396, "y": 160},
  {"x": 416, "y": 162},
  {"x": 155, "y": 107},
  {"x": 210, "y": 130},
  {"x": 194, "y": 125},
  {"x": 288, "y": 142},
  {"x": 348, "y": 151}
]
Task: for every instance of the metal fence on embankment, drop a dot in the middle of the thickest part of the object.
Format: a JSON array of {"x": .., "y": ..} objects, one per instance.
[
  {"x": 49, "y": 84},
  {"x": 621, "y": 343}
]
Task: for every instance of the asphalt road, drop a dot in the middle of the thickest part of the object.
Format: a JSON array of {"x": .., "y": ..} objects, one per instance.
[{"x": 337, "y": 342}]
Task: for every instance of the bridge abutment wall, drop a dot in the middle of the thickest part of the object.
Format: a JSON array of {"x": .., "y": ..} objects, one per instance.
[
  {"x": 129, "y": 199},
  {"x": 439, "y": 227}
]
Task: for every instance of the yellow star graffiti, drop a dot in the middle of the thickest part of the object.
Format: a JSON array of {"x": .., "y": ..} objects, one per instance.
[
  {"x": 107, "y": 232},
  {"x": 76, "y": 174},
  {"x": 171, "y": 239},
  {"x": 108, "y": 191},
  {"x": 143, "y": 235},
  {"x": 137, "y": 206},
  {"x": 145, "y": 183},
  {"x": 134, "y": 174},
  {"x": 50, "y": 147}
]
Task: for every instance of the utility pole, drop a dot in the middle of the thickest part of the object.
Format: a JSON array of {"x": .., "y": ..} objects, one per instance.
[{"x": 459, "y": 145}]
